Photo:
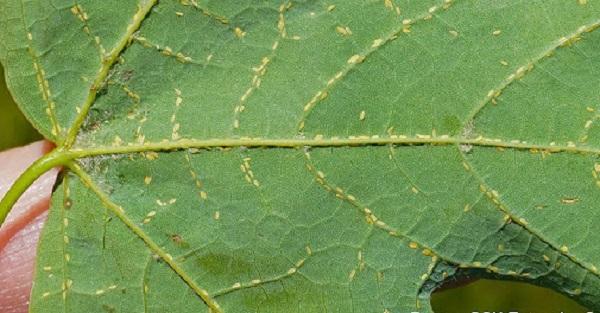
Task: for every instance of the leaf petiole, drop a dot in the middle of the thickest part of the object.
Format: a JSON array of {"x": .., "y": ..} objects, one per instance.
[{"x": 26, "y": 179}]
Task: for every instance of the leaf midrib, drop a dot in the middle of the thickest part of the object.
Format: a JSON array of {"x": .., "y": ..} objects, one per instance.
[{"x": 83, "y": 152}]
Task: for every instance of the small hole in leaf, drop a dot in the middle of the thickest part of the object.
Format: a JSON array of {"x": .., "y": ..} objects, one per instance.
[{"x": 486, "y": 295}]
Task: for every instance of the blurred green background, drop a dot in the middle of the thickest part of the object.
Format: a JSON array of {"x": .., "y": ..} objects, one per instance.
[
  {"x": 503, "y": 296},
  {"x": 482, "y": 295},
  {"x": 15, "y": 130}
]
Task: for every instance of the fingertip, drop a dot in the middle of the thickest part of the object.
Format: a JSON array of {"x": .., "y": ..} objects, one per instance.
[{"x": 20, "y": 232}]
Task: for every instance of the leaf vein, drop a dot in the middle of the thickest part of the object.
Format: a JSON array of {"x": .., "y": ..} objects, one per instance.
[
  {"x": 79, "y": 12},
  {"x": 153, "y": 246},
  {"x": 520, "y": 72},
  {"x": 324, "y": 142},
  {"x": 357, "y": 59},
  {"x": 261, "y": 69},
  {"x": 108, "y": 62},
  {"x": 43, "y": 83},
  {"x": 259, "y": 282},
  {"x": 502, "y": 207}
]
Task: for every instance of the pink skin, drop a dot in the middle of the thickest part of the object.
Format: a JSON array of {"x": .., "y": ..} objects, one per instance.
[{"x": 20, "y": 232}]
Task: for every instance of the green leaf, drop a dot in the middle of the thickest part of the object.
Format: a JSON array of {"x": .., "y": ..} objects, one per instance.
[{"x": 309, "y": 156}]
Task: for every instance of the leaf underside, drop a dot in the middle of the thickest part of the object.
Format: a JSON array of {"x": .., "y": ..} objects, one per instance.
[{"x": 310, "y": 156}]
